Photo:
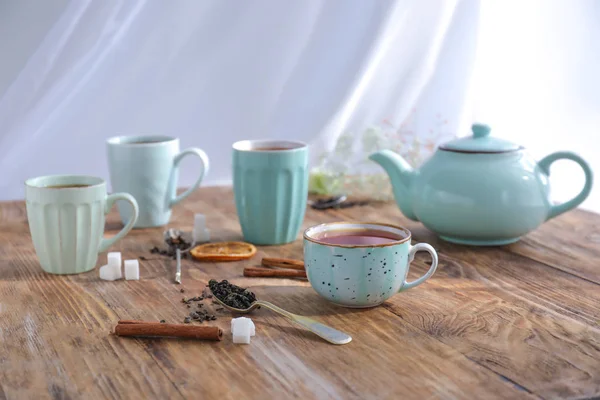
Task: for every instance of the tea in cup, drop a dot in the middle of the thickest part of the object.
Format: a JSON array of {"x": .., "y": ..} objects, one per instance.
[{"x": 361, "y": 264}]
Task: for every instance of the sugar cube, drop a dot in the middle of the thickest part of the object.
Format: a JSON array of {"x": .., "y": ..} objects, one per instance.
[
  {"x": 242, "y": 335},
  {"x": 132, "y": 270},
  {"x": 199, "y": 222},
  {"x": 114, "y": 258},
  {"x": 234, "y": 321},
  {"x": 244, "y": 320},
  {"x": 202, "y": 236},
  {"x": 241, "y": 329},
  {"x": 200, "y": 232},
  {"x": 110, "y": 272}
]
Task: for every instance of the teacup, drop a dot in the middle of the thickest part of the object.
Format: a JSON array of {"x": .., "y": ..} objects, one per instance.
[
  {"x": 361, "y": 264},
  {"x": 270, "y": 184},
  {"x": 66, "y": 215},
  {"x": 148, "y": 168}
]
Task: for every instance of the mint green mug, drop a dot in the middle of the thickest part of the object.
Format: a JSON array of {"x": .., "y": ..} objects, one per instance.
[
  {"x": 66, "y": 215},
  {"x": 270, "y": 185},
  {"x": 148, "y": 168}
]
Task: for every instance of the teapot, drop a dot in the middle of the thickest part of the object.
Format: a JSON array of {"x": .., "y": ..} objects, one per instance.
[{"x": 479, "y": 190}]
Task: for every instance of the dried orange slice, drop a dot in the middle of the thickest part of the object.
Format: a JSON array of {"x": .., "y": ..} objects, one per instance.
[{"x": 223, "y": 251}]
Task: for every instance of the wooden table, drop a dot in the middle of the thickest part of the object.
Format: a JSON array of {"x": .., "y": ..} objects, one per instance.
[{"x": 519, "y": 321}]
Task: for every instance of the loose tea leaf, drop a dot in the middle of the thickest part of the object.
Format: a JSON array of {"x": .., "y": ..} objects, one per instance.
[
  {"x": 173, "y": 243},
  {"x": 201, "y": 314},
  {"x": 232, "y": 295}
]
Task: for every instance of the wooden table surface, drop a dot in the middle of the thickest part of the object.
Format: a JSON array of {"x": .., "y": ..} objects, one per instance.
[{"x": 519, "y": 321}]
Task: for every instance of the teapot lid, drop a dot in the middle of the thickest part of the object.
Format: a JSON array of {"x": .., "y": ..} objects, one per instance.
[{"x": 480, "y": 142}]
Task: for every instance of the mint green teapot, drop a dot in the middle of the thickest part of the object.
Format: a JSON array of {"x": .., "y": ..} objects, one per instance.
[{"x": 479, "y": 190}]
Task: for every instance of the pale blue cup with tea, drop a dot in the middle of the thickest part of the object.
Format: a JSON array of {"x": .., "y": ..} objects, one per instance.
[
  {"x": 270, "y": 184},
  {"x": 361, "y": 264},
  {"x": 148, "y": 168}
]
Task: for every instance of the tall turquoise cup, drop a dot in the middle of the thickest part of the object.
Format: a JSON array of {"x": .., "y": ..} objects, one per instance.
[
  {"x": 270, "y": 183},
  {"x": 148, "y": 168},
  {"x": 66, "y": 215}
]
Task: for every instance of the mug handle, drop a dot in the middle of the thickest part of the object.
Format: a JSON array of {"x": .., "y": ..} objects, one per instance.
[
  {"x": 411, "y": 257},
  {"x": 110, "y": 200},
  {"x": 203, "y": 159},
  {"x": 545, "y": 163}
]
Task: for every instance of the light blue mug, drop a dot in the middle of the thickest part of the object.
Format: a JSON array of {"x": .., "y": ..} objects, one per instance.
[
  {"x": 361, "y": 274},
  {"x": 147, "y": 167},
  {"x": 270, "y": 184},
  {"x": 66, "y": 215}
]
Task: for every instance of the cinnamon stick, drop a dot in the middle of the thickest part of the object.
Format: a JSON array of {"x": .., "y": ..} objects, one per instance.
[
  {"x": 283, "y": 263},
  {"x": 142, "y": 328},
  {"x": 274, "y": 273}
]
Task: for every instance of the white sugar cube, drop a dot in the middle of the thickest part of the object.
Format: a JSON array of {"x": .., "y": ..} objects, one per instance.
[
  {"x": 236, "y": 320},
  {"x": 110, "y": 272},
  {"x": 114, "y": 258},
  {"x": 199, "y": 222},
  {"x": 244, "y": 320},
  {"x": 132, "y": 270},
  {"x": 200, "y": 233},
  {"x": 241, "y": 329},
  {"x": 242, "y": 336},
  {"x": 202, "y": 236}
]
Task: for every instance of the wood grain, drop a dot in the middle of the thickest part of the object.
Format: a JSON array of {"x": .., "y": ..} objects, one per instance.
[
  {"x": 519, "y": 321},
  {"x": 569, "y": 243}
]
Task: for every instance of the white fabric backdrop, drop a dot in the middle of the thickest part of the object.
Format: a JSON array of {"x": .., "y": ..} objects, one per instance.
[
  {"x": 213, "y": 72},
  {"x": 75, "y": 72},
  {"x": 537, "y": 82}
]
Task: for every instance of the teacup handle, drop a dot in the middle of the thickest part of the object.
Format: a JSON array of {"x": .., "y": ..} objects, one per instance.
[
  {"x": 545, "y": 163},
  {"x": 110, "y": 200},
  {"x": 203, "y": 159},
  {"x": 411, "y": 256}
]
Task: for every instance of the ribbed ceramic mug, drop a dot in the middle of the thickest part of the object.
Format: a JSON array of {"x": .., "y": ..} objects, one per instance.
[
  {"x": 147, "y": 167},
  {"x": 66, "y": 215},
  {"x": 364, "y": 274},
  {"x": 270, "y": 183}
]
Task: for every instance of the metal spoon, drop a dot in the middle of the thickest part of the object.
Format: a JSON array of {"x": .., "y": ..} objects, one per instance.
[
  {"x": 174, "y": 234},
  {"x": 331, "y": 202},
  {"x": 331, "y": 335}
]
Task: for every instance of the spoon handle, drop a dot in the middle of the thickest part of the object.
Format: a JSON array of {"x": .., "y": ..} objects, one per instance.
[
  {"x": 326, "y": 332},
  {"x": 178, "y": 273}
]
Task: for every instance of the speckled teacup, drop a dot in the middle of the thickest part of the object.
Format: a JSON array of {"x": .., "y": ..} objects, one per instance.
[{"x": 361, "y": 275}]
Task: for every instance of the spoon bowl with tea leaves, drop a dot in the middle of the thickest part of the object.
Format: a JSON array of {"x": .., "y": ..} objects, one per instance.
[{"x": 242, "y": 301}]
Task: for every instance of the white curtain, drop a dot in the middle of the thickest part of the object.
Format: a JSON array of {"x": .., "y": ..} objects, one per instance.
[
  {"x": 537, "y": 82},
  {"x": 213, "y": 72}
]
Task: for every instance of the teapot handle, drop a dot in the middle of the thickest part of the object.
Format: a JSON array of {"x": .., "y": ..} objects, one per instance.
[{"x": 545, "y": 163}]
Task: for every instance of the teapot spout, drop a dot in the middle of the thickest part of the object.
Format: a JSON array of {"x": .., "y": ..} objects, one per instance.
[{"x": 401, "y": 176}]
